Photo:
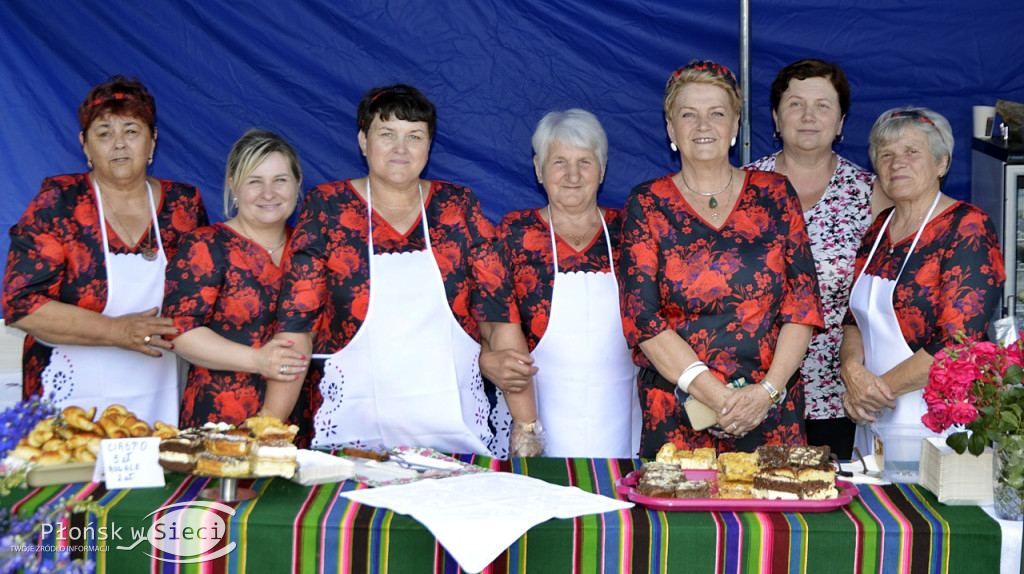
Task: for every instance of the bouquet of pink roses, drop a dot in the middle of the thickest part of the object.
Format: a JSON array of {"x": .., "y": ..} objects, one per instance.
[{"x": 976, "y": 384}]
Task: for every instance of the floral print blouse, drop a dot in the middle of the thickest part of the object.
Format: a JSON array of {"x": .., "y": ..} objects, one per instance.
[
  {"x": 326, "y": 273},
  {"x": 836, "y": 225},
  {"x": 326, "y": 269},
  {"x": 229, "y": 284},
  {"x": 524, "y": 242},
  {"x": 728, "y": 291},
  {"x": 951, "y": 283},
  {"x": 56, "y": 253}
]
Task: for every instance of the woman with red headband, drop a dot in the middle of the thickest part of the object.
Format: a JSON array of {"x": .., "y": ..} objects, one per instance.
[
  {"x": 718, "y": 290},
  {"x": 929, "y": 267},
  {"x": 85, "y": 272},
  {"x": 382, "y": 281}
]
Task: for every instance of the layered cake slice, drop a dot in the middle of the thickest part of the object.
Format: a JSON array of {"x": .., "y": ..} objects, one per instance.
[
  {"x": 272, "y": 451},
  {"x": 225, "y": 466},
  {"x": 179, "y": 453},
  {"x": 795, "y": 472}
]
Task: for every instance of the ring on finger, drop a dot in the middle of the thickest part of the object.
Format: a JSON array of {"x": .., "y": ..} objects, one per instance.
[
  {"x": 147, "y": 339},
  {"x": 734, "y": 427},
  {"x": 284, "y": 369}
]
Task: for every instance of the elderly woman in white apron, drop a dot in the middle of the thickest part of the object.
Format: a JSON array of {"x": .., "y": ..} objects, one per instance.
[
  {"x": 928, "y": 268},
  {"x": 380, "y": 281},
  {"x": 566, "y": 329},
  {"x": 85, "y": 274}
]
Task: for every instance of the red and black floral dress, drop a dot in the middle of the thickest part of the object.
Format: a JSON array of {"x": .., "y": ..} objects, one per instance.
[
  {"x": 57, "y": 253},
  {"x": 326, "y": 269},
  {"x": 951, "y": 284},
  {"x": 524, "y": 242},
  {"x": 229, "y": 284},
  {"x": 727, "y": 292}
]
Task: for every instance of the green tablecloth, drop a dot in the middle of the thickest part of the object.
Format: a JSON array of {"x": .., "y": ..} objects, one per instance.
[{"x": 893, "y": 528}]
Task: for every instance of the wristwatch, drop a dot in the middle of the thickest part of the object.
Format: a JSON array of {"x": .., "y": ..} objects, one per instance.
[
  {"x": 773, "y": 393},
  {"x": 535, "y": 427}
]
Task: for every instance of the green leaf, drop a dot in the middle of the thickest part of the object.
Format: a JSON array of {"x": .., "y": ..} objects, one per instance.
[
  {"x": 1011, "y": 417},
  {"x": 957, "y": 441},
  {"x": 976, "y": 444},
  {"x": 1014, "y": 375}
]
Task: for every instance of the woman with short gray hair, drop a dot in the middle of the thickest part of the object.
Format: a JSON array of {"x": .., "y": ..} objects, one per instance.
[
  {"x": 562, "y": 359},
  {"x": 929, "y": 268}
]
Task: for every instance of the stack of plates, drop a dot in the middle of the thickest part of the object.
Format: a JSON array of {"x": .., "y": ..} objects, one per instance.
[{"x": 956, "y": 479}]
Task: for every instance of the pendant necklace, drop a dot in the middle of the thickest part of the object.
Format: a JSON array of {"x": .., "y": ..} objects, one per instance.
[
  {"x": 148, "y": 253},
  {"x": 712, "y": 203}
]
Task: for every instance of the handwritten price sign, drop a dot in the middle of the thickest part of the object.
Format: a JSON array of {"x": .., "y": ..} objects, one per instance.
[{"x": 129, "y": 463}]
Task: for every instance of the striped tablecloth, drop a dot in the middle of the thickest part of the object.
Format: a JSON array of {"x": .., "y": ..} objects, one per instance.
[{"x": 893, "y": 528}]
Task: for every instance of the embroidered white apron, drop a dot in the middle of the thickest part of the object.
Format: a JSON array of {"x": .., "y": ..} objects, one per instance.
[
  {"x": 88, "y": 376},
  {"x": 586, "y": 385},
  {"x": 409, "y": 376},
  {"x": 884, "y": 345}
]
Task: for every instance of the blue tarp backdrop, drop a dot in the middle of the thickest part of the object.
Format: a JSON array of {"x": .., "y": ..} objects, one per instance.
[{"x": 492, "y": 67}]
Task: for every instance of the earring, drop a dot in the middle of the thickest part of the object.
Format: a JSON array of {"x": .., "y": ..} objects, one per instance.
[
  {"x": 150, "y": 162},
  {"x": 673, "y": 146},
  {"x": 234, "y": 202},
  {"x": 839, "y": 139},
  {"x": 733, "y": 142},
  {"x": 88, "y": 162},
  {"x": 777, "y": 136}
]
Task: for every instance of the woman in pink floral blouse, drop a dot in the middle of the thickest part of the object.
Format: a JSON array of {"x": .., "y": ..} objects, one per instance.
[{"x": 810, "y": 99}]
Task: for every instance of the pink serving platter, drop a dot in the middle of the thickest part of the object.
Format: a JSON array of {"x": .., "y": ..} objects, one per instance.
[{"x": 627, "y": 486}]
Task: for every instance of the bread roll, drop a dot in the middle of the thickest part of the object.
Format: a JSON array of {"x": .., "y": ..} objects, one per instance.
[
  {"x": 39, "y": 436},
  {"x": 82, "y": 454},
  {"x": 77, "y": 418},
  {"x": 25, "y": 452},
  {"x": 53, "y": 457}
]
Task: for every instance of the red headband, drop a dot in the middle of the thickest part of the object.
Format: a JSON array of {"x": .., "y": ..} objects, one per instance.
[
  {"x": 116, "y": 96},
  {"x": 706, "y": 66},
  {"x": 916, "y": 115}
]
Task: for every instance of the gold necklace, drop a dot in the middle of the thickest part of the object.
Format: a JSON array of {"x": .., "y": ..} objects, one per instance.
[
  {"x": 712, "y": 203},
  {"x": 577, "y": 239},
  {"x": 148, "y": 253},
  {"x": 249, "y": 237}
]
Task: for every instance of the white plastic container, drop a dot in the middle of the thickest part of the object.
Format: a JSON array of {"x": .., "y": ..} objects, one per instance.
[{"x": 898, "y": 450}]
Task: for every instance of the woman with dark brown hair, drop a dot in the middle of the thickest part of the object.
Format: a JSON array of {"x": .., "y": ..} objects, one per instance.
[
  {"x": 85, "y": 272},
  {"x": 810, "y": 100}
]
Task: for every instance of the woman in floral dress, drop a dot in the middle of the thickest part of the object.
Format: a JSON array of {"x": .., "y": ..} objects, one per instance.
[
  {"x": 718, "y": 282},
  {"x": 223, "y": 285},
  {"x": 383, "y": 282},
  {"x": 85, "y": 272},
  {"x": 929, "y": 269}
]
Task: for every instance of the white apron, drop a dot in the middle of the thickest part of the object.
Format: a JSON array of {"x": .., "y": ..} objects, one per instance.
[
  {"x": 586, "y": 385},
  {"x": 88, "y": 376},
  {"x": 409, "y": 376},
  {"x": 884, "y": 345}
]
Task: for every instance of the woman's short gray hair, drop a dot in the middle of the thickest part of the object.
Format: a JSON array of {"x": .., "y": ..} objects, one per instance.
[
  {"x": 576, "y": 128},
  {"x": 892, "y": 123}
]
